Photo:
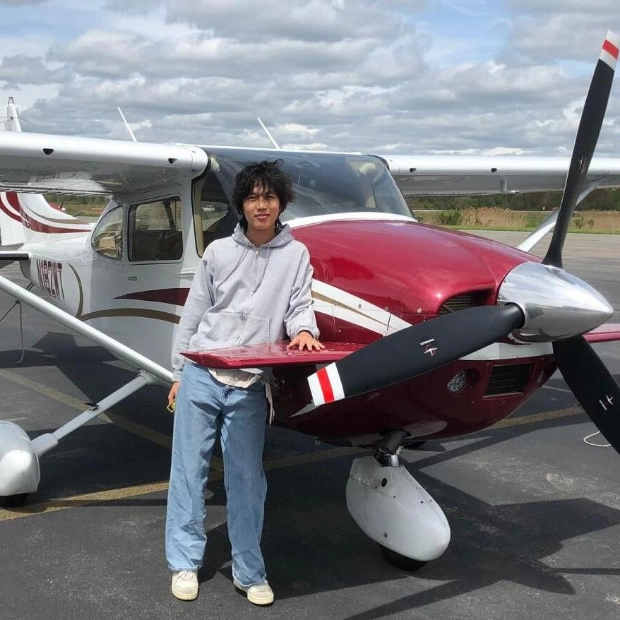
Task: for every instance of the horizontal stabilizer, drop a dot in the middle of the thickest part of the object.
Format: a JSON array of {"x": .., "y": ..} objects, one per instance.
[
  {"x": 275, "y": 354},
  {"x": 9, "y": 256},
  {"x": 14, "y": 255}
]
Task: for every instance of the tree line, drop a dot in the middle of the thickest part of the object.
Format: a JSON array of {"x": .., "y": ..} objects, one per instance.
[{"x": 598, "y": 200}]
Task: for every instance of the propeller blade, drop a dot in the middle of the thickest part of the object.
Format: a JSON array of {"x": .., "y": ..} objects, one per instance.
[
  {"x": 592, "y": 384},
  {"x": 413, "y": 351},
  {"x": 585, "y": 143}
]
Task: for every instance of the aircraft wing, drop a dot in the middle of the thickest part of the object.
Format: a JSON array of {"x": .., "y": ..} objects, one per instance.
[
  {"x": 459, "y": 175},
  {"x": 275, "y": 354},
  {"x": 605, "y": 333},
  {"x": 45, "y": 163}
]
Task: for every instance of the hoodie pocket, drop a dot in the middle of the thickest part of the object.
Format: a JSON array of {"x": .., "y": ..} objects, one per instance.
[{"x": 233, "y": 329}]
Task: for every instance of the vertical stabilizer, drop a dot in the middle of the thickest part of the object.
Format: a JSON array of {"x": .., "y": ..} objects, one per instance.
[
  {"x": 11, "y": 229},
  {"x": 29, "y": 217}
]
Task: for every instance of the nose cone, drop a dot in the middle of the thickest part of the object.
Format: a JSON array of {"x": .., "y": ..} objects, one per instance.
[{"x": 556, "y": 304}]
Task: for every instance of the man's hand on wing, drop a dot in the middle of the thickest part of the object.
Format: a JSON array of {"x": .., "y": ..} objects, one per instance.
[{"x": 305, "y": 340}]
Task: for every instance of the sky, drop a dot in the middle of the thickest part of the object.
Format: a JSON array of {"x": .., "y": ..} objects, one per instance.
[{"x": 388, "y": 77}]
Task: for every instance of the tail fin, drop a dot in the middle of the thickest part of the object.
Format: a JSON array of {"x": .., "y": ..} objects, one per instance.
[
  {"x": 12, "y": 118},
  {"x": 29, "y": 217},
  {"x": 11, "y": 231}
]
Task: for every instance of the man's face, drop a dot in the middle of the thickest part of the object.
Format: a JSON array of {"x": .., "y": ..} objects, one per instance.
[{"x": 261, "y": 209}]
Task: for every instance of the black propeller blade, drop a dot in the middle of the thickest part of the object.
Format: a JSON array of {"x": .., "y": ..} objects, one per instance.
[
  {"x": 585, "y": 143},
  {"x": 582, "y": 369},
  {"x": 414, "y": 351},
  {"x": 592, "y": 384}
]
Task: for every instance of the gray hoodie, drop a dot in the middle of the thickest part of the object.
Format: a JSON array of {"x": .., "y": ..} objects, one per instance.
[{"x": 243, "y": 294}]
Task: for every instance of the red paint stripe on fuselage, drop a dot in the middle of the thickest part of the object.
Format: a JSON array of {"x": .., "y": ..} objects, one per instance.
[
  {"x": 39, "y": 227},
  {"x": 174, "y": 296}
]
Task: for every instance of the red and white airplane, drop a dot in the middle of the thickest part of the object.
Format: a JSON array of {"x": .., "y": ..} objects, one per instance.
[{"x": 429, "y": 333}]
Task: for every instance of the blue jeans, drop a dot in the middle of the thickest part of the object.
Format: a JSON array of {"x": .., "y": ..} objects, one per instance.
[{"x": 204, "y": 405}]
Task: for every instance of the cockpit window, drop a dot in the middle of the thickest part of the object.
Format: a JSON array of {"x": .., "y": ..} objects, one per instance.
[
  {"x": 155, "y": 231},
  {"x": 324, "y": 183},
  {"x": 107, "y": 239}
]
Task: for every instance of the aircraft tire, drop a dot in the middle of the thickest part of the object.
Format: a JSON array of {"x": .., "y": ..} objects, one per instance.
[
  {"x": 400, "y": 561},
  {"x": 13, "y": 501}
]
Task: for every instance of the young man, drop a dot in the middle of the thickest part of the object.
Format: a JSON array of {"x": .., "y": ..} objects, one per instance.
[{"x": 250, "y": 288}]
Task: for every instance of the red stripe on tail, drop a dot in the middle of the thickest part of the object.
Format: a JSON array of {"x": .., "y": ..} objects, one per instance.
[{"x": 6, "y": 211}]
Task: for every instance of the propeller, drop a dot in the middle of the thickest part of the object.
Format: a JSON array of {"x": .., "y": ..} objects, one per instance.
[
  {"x": 592, "y": 384},
  {"x": 414, "y": 351},
  {"x": 584, "y": 372},
  {"x": 431, "y": 344},
  {"x": 585, "y": 143}
]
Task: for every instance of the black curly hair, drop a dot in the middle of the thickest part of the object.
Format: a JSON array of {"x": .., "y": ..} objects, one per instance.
[{"x": 269, "y": 175}]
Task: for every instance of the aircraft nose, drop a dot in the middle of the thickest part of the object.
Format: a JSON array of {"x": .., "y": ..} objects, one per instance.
[{"x": 556, "y": 304}]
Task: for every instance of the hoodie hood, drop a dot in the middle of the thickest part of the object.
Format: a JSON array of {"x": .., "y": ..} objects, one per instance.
[
  {"x": 282, "y": 238},
  {"x": 261, "y": 253}
]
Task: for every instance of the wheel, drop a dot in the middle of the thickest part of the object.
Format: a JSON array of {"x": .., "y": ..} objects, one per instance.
[
  {"x": 400, "y": 561},
  {"x": 13, "y": 501}
]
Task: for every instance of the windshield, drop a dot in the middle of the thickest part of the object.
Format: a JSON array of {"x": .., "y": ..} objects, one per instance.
[{"x": 325, "y": 183}]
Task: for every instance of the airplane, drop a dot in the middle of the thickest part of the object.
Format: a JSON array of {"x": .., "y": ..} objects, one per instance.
[{"x": 429, "y": 333}]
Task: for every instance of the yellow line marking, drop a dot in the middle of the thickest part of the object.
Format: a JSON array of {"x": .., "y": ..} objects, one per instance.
[
  {"x": 112, "y": 495},
  {"x": 137, "y": 429},
  {"x": 124, "y": 423},
  {"x": 216, "y": 474},
  {"x": 65, "y": 399},
  {"x": 538, "y": 417},
  {"x": 77, "y": 501}
]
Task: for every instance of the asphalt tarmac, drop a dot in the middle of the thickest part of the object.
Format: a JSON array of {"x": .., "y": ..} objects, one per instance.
[{"x": 534, "y": 510}]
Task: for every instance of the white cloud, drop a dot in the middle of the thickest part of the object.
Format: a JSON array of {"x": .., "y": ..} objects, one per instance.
[{"x": 405, "y": 76}]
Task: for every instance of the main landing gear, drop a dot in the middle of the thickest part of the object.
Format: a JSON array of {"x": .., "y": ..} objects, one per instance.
[
  {"x": 19, "y": 455},
  {"x": 394, "y": 510}
]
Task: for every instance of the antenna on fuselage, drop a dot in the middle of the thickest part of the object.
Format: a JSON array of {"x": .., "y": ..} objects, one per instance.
[
  {"x": 127, "y": 125},
  {"x": 275, "y": 144}
]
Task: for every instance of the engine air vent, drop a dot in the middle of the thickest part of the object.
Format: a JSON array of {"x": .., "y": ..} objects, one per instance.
[
  {"x": 508, "y": 379},
  {"x": 456, "y": 303},
  {"x": 464, "y": 301}
]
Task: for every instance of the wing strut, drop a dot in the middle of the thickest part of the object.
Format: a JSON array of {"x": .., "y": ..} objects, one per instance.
[
  {"x": 19, "y": 455},
  {"x": 549, "y": 223},
  {"x": 123, "y": 352},
  {"x": 44, "y": 443}
]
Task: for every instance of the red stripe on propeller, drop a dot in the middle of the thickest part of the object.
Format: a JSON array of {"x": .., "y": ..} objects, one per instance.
[
  {"x": 326, "y": 386},
  {"x": 610, "y": 48}
]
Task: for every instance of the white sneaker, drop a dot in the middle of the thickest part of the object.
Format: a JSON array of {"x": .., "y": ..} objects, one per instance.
[
  {"x": 185, "y": 584},
  {"x": 259, "y": 594}
]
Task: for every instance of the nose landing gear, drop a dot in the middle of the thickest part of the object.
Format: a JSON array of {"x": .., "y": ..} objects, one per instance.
[{"x": 393, "y": 509}]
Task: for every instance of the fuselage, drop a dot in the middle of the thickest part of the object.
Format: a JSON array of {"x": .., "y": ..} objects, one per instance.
[{"x": 376, "y": 271}]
